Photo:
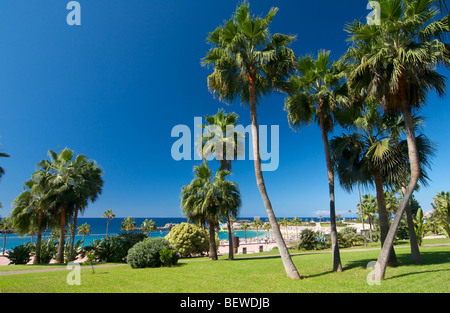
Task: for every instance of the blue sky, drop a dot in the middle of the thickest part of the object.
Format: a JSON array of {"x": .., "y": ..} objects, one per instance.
[{"x": 114, "y": 87}]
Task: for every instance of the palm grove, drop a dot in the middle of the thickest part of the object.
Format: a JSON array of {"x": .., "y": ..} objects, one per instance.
[
  {"x": 384, "y": 78},
  {"x": 373, "y": 92}
]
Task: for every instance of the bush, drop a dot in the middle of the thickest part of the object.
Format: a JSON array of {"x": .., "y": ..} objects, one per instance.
[
  {"x": 348, "y": 237},
  {"x": 147, "y": 253},
  {"x": 188, "y": 239},
  {"x": 115, "y": 248},
  {"x": 49, "y": 247},
  {"x": 20, "y": 254},
  {"x": 311, "y": 240},
  {"x": 168, "y": 257}
]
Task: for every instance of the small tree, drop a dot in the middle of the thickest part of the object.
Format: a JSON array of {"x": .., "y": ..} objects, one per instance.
[{"x": 188, "y": 239}]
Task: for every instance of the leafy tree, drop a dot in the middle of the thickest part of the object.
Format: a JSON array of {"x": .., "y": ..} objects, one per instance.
[
  {"x": 188, "y": 239},
  {"x": 249, "y": 63}
]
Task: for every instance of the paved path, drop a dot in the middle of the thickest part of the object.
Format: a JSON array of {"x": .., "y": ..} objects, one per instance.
[{"x": 4, "y": 273}]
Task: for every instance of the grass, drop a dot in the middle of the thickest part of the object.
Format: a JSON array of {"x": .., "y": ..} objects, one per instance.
[{"x": 260, "y": 275}]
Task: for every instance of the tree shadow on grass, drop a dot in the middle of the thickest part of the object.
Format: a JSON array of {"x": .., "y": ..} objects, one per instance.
[{"x": 404, "y": 259}]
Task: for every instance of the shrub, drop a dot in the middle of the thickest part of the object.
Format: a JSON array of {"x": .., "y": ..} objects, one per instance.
[
  {"x": 20, "y": 254},
  {"x": 147, "y": 253},
  {"x": 311, "y": 240},
  {"x": 348, "y": 237},
  {"x": 49, "y": 247},
  {"x": 114, "y": 248},
  {"x": 168, "y": 257},
  {"x": 188, "y": 239},
  {"x": 308, "y": 240}
]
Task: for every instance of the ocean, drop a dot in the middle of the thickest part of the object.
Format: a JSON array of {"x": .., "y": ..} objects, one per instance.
[{"x": 98, "y": 229}]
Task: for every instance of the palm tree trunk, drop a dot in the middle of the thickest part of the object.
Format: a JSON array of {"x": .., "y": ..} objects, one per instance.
[
  {"x": 37, "y": 255},
  {"x": 337, "y": 266},
  {"x": 107, "y": 225},
  {"x": 72, "y": 239},
  {"x": 415, "y": 252},
  {"x": 230, "y": 239},
  {"x": 383, "y": 215},
  {"x": 380, "y": 267},
  {"x": 4, "y": 241},
  {"x": 289, "y": 266},
  {"x": 212, "y": 239},
  {"x": 62, "y": 234}
]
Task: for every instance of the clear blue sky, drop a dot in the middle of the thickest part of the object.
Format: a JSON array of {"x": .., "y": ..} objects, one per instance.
[{"x": 114, "y": 87}]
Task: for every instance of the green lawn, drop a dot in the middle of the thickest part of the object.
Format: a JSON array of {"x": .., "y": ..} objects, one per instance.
[{"x": 262, "y": 275}]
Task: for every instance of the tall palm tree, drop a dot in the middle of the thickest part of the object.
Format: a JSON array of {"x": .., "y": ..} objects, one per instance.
[
  {"x": 208, "y": 198},
  {"x": 230, "y": 202},
  {"x": 315, "y": 94},
  {"x": 396, "y": 62},
  {"x": 221, "y": 138},
  {"x": 227, "y": 147},
  {"x": 88, "y": 188},
  {"x": 60, "y": 174},
  {"x": 109, "y": 214},
  {"x": 249, "y": 63},
  {"x": 369, "y": 156}
]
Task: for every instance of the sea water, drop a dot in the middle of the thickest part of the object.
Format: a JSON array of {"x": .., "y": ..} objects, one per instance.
[{"x": 98, "y": 230}]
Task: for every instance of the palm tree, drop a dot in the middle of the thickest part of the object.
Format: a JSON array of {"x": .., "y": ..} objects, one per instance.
[
  {"x": 221, "y": 138},
  {"x": 5, "y": 225},
  {"x": 230, "y": 202},
  {"x": 395, "y": 62},
  {"x": 257, "y": 224},
  {"x": 84, "y": 229},
  {"x": 249, "y": 63},
  {"x": 245, "y": 227},
  {"x": 296, "y": 222},
  {"x": 128, "y": 224},
  {"x": 60, "y": 174},
  {"x": 315, "y": 95},
  {"x": 369, "y": 156},
  {"x": 109, "y": 216},
  {"x": 30, "y": 212},
  {"x": 147, "y": 226},
  {"x": 267, "y": 228},
  {"x": 368, "y": 207},
  {"x": 88, "y": 188},
  {"x": 199, "y": 203}
]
